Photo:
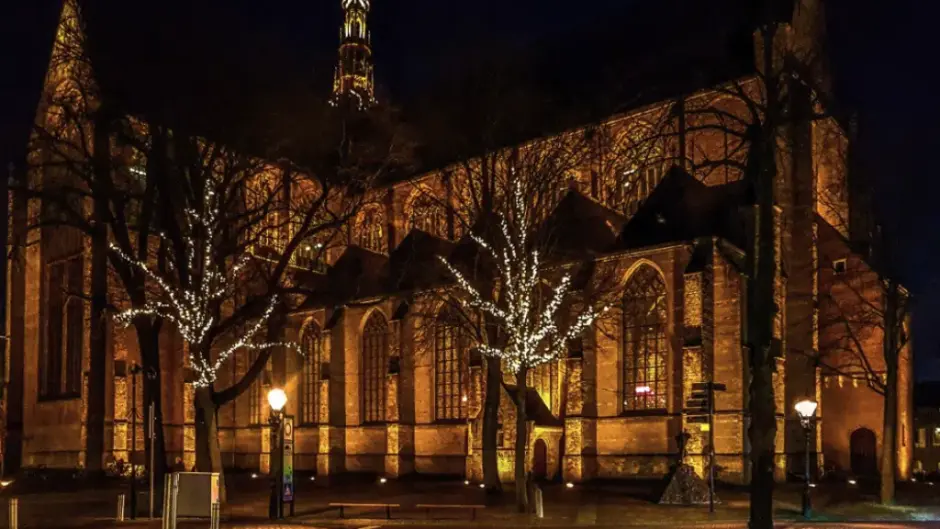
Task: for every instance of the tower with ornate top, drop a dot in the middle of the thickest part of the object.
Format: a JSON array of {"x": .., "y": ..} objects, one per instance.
[{"x": 354, "y": 79}]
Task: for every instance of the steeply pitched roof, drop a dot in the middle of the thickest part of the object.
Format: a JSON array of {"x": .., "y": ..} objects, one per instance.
[
  {"x": 414, "y": 263},
  {"x": 580, "y": 227},
  {"x": 682, "y": 208}
]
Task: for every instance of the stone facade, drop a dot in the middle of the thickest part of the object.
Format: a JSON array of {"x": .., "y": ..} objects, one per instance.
[{"x": 588, "y": 429}]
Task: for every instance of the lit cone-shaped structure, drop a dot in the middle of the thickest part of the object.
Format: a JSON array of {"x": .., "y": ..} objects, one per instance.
[{"x": 354, "y": 80}]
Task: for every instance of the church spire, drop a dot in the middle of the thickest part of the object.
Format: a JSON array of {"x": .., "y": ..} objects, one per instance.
[{"x": 354, "y": 77}]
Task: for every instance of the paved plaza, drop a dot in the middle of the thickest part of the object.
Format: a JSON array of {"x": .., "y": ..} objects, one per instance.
[{"x": 614, "y": 504}]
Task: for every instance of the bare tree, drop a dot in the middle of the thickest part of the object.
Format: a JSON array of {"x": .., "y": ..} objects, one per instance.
[
  {"x": 127, "y": 183},
  {"x": 762, "y": 122}
]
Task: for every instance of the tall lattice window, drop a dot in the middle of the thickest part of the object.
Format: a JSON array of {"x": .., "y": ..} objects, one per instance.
[
  {"x": 61, "y": 367},
  {"x": 451, "y": 372},
  {"x": 310, "y": 343},
  {"x": 429, "y": 216},
  {"x": 371, "y": 231},
  {"x": 374, "y": 368},
  {"x": 74, "y": 328},
  {"x": 644, "y": 341}
]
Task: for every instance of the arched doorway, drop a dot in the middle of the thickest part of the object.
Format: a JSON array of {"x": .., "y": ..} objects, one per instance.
[
  {"x": 863, "y": 447},
  {"x": 540, "y": 460}
]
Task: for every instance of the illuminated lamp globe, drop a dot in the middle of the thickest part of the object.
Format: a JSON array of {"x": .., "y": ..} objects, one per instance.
[
  {"x": 806, "y": 409},
  {"x": 277, "y": 399}
]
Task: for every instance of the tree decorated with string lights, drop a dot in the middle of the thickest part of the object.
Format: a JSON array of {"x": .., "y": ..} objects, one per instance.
[
  {"x": 535, "y": 307},
  {"x": 192, "y": 294}
]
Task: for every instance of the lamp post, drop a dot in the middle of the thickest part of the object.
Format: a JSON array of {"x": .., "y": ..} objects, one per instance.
[
  {"x": 276, "y": 399},
  {"x": 806, "y": 409}
]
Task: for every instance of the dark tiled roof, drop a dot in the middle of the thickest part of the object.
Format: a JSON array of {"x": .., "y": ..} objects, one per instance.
[
  {"x": 580, "y": 227},
  {"x": 357, "y": 274},
  {"x": 414, "y": 263},
  {"x": 682, "y": 208}
]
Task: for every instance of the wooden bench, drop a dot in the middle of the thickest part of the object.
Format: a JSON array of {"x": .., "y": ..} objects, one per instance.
[
  {"x": 388, "y": 507},
  {"x": 428, "y": 506}
]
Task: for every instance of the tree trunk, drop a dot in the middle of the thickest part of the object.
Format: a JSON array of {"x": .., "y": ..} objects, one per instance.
[
  {"x": 494, "y": 384},
  {"x": 148, "y": 339},
  {"x": 762, "y": 435},
  {"x": 208, "y": 452},
  {"x": 97, "y": 339},
  {"x": 522, "y": 497},
  {"x": 890, "y": 417},
  {"x": 761, "y": 311}
]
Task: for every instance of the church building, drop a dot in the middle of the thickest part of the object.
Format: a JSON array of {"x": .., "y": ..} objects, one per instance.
[{"x": 374, "y": 393}]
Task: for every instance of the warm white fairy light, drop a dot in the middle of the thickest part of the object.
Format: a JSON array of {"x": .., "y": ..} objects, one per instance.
[
  {"x": 533, "y": 337},
  {"x": 190, "y": 306}
]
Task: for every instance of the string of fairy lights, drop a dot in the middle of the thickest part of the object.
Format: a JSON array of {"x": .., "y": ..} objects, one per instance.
[
  {"x": 191, "y": 305},
  {"x": 533, "y": 336}
]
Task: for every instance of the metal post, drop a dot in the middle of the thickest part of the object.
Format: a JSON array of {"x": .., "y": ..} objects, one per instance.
[
  {"x": 216, "y": 515},
  {"x": 152, "y": 422},
  {"x": 119, "y": 516},
  {"x": 807, "y": 506},
  {"x": 275, "y": 503},
  {"x": 14, "y": 513},
  {"x": 711, "y": 449},
  {"x": 134, "y": 370}
]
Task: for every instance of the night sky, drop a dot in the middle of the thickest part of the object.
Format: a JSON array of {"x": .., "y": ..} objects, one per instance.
[{"x": 880, "y": 52}]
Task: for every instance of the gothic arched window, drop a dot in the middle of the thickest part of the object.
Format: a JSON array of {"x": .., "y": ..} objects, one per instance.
[
  {"x": 371, "y": 230},
  {"x": 310, "y": 381},
  {"x": 451, "y": 371},
  {"x": 637, "y": 171},
  {"x": 374, "y": 368},
  {"x": 429, "y": 216},
  {"x": 644, "y": 341}
]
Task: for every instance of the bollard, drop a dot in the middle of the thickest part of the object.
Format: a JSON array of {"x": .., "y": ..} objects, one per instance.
[
  {"x": 120, "y": 508},
  {"x": 539, "y": 506},
  {"x": 14, "y": 514},
  {"x": 166, "y": 500},
  {"x": 216, "y": 516}
]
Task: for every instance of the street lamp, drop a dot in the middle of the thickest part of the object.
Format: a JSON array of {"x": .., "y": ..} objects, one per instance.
[
  {"x": 806, "y": 409},
  {"x": 277, "y": 399}
]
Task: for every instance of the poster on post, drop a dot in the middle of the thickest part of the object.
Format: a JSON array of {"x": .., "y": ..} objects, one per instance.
[{"x": 288, "y": 455}]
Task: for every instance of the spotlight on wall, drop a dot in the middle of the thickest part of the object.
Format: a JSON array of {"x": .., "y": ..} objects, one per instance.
[
  {"x": 254, "y": 476},
  {"x": 570, "y": 485},
  {"x": 383, "y": 481},
  {"x": 466, "y": 482},
  {"x": 313, "y": 478},
  {"x": 482, "y": 486},
  {"x": 6, "y": 483},
  {"x": 852, "y": 482}
]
